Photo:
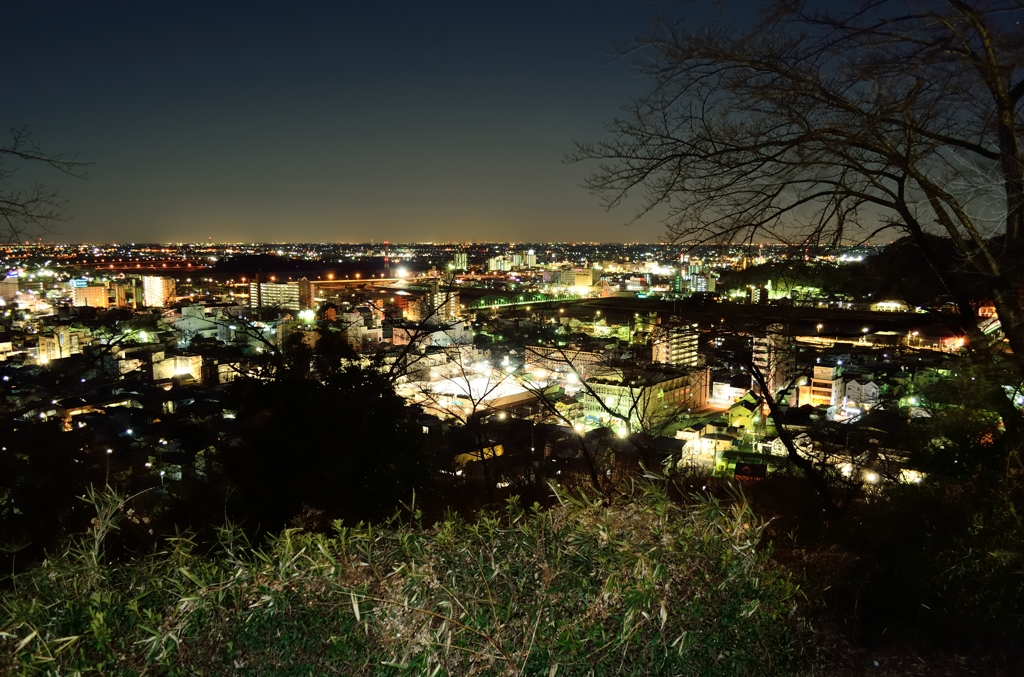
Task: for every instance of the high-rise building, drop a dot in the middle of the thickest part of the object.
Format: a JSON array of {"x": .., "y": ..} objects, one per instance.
[
  {"x": 460, "y": 261},
  {"x": 9, "y": 288},
  {"x": 305, "y": 293},
  {"x": 498, "y": 264},
  {"x": 94, "y": 296},
  {"x": 680, "y": 282},
  {"x": 775, "y": 357},
  {"x": 757, "y": 295},
  {"x": 702, "y": 283},
  {"x": 120, "y": 296},
  {"x": 157, "y": 292},
  {"x": 294, "y": 296},
  {"x": 676, "y": 344},
  {"x": 441, "y": 304}
]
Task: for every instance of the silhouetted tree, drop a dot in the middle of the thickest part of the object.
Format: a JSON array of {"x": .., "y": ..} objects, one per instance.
[
  {"x": 817, "y": 125},
  {"x": 309, "y": 451},
  {"x": 26, "y": 210}
]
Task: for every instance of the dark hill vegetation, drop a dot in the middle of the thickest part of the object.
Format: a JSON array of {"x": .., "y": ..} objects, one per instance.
[
  {"x": 898, "y": 271},
  {"x": 640, "y": 587}
]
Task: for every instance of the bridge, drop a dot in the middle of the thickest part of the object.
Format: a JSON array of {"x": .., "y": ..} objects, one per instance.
[{"x": 496, "y": 301}]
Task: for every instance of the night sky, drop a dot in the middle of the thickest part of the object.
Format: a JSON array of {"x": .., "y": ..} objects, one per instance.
[{"x": 335, "y": 121}]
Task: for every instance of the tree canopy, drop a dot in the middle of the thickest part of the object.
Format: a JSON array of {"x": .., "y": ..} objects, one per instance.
[{"x": 823, "y": 126}]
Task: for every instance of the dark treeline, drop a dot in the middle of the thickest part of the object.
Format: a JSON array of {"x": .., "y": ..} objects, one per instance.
[{"x": 899, "y": 271}]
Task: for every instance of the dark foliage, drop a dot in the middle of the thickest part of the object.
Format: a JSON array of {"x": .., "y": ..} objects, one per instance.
[{"x": 310, "y": 452}]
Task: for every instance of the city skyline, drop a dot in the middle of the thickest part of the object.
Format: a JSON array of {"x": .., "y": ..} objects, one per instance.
[{"x": 326, "y": 123}]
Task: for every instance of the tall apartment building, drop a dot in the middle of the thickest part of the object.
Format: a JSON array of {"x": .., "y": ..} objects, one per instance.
[
  {"x": 757, "y": 295},
  {"x": 127, "y": 293},
  {"x": 294, "y": 296},
  {"x": 702, "y": 283},
  {"x": 775, "y": 356},
  {"x": 9, "y": 288},
  {"x": 498, "y": 264},
  {"x": 441, "y": 304},
  {"x": 460, "y": 261},
  {"x": 691, "y": 277},
  {"x": 157, "y": 292},
  {"x": 93, "y": 296},
  {"x": 676, "y": 344}
]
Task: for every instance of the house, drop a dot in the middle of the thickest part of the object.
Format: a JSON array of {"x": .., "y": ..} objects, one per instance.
[
  {"x": 862, "y": 394},
  {"x": 773, "y": 446},
  {"x": 707, "y": 440},
  {"x": 746, "y": 413}
]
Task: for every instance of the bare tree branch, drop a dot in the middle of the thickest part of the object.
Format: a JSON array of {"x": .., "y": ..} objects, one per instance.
[{"x": 29, "y": 210}]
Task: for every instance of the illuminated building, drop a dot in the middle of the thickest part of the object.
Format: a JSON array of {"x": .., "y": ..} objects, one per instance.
[
  {"x": 62, "y": 342},
  {"x": 157, "y": 292},
  {"x": 9, "y": 288},
  {"x": 94, "y": 296},
  {"x": 441, "y": 305},
  {"x": 774, "y": 356},
  {"x": 293, "y": 296},
  {"x": 675, "y": 344},
  {"x": 827, "y": 388},
  {"x": 645, "y": 400}
]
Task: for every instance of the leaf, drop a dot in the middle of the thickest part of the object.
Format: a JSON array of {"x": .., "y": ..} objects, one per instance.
[
  {"x": 326, "y": 554},
  {"x": 191, "y": 576},
  {"x": 355, "y": 607},
  {"x": 23, "y": 643}
]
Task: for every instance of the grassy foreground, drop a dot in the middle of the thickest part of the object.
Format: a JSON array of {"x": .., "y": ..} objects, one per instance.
[{"x": 640, "y": 587}]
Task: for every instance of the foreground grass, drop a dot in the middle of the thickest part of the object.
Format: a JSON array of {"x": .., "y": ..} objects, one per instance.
[{"x": 641, "y": 587}]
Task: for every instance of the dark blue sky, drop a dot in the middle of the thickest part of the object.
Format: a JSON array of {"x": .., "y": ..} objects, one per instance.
[{"x": 337, "y": 121}]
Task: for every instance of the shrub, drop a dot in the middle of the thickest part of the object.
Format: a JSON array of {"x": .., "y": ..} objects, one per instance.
[{"x": 638, "y": 587}]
